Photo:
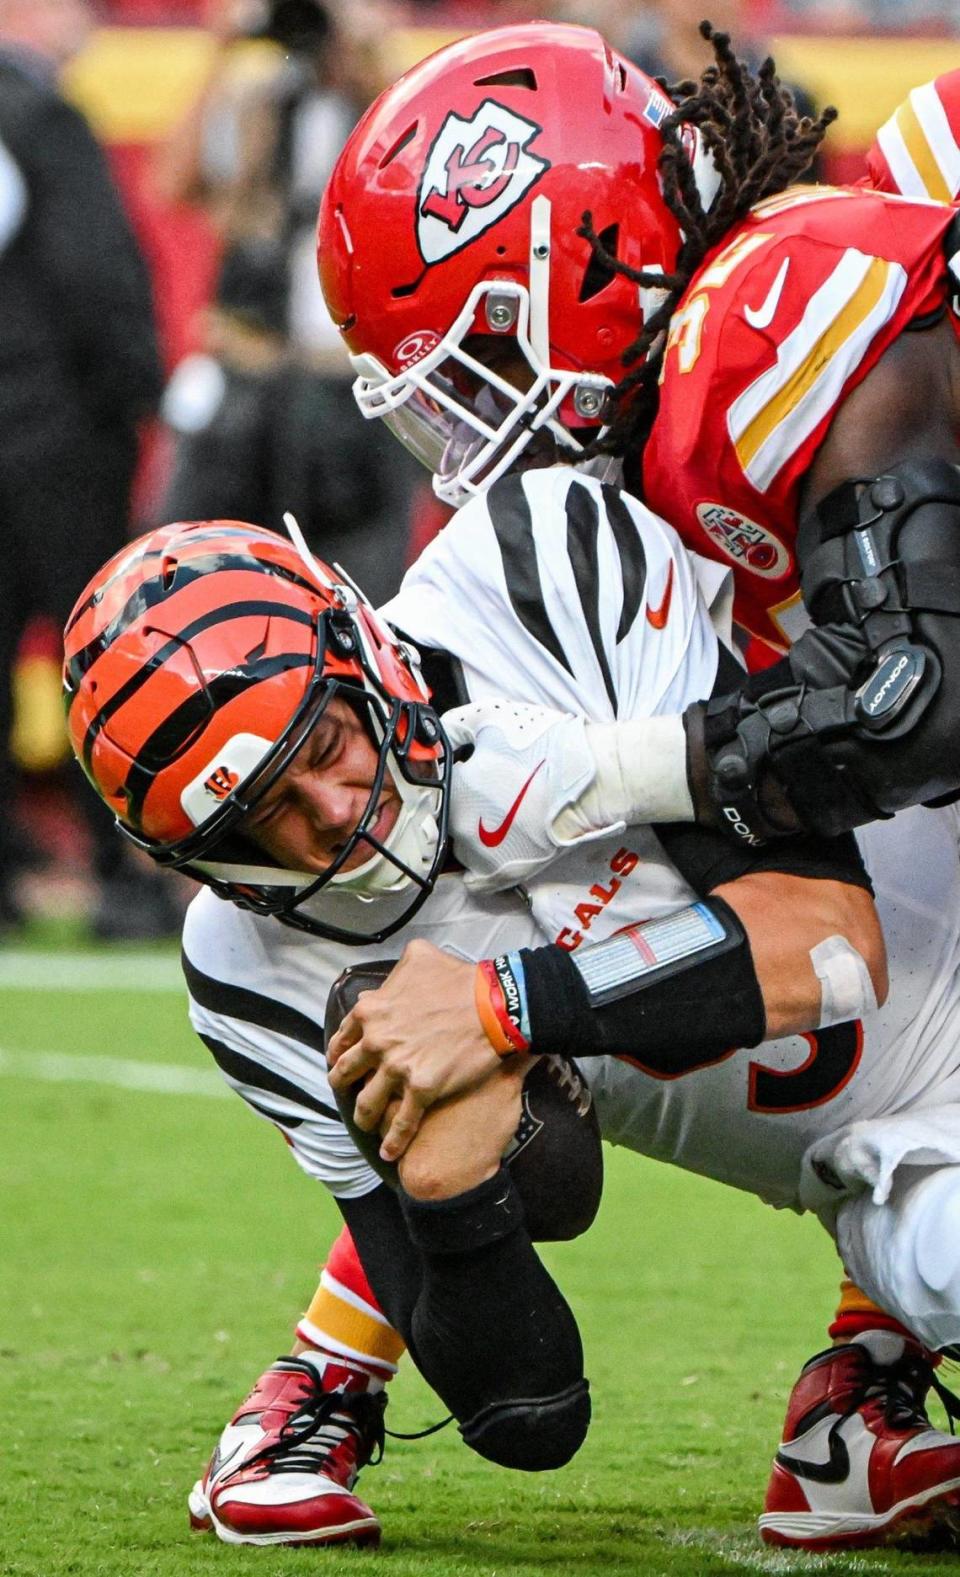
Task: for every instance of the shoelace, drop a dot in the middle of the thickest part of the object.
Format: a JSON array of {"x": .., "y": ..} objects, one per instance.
[
  {"x": 322, "y": 1422},
  {"x": 904, "y": 1386}
]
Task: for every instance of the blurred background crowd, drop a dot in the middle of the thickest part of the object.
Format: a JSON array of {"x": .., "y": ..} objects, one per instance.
[{"x": 164, "y": 349}]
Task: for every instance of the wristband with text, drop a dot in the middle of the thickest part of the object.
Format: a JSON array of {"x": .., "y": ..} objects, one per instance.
[{"x": 501, "y": 1002}]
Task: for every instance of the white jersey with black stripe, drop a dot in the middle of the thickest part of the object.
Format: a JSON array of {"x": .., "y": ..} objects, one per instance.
[
  {"x": 558, "y": 589},
  {"x": 258, "y": 994},
  {"x": 551, "y": 589}
]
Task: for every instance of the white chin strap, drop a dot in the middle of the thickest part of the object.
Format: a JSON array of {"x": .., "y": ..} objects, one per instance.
[{"x": 252, "y": 875}]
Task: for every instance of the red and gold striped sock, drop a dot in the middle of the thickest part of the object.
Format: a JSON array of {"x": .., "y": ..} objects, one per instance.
[
  {"x": 344, "y": 1318},
  {"x": 856, "y": 1312}
]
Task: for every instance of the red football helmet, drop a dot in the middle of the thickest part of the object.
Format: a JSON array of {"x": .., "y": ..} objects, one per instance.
[
  {"x": 197, "y": 662},
  {"x": 453, "y": 211}
]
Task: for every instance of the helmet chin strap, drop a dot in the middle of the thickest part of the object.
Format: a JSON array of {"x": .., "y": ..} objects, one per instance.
[
  {"x": 300, "y": 543},
  {"x": 413, "y": 839}
]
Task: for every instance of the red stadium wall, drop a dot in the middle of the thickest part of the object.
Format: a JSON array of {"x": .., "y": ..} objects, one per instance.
[{"x": 179, "y": 244}]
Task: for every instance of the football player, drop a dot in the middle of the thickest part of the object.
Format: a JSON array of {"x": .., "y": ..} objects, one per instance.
[
  {"x": 253, "y": 723},
  {"x": 551, "y": 210},
  {"x": 791, "y": 403}
]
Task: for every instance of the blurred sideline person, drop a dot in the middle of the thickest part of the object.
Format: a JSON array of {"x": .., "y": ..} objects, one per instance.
[
  {"x": 79, "y": 370},
  {"x": 276, "y": 743},
  {"x": 225, "y": 401},
  {"x": 778, "y": 334},
  {"x": 255, "y": 152}
]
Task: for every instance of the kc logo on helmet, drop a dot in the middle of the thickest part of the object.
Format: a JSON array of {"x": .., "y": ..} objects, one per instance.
[{"x": 477, "y": 170}]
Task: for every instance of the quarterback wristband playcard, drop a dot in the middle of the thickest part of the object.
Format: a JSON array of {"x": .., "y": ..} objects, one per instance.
[{"x": 650, "y": 951}]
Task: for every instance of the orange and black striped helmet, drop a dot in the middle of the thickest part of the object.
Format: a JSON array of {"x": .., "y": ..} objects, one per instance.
[{"x": 196, "y": 664}]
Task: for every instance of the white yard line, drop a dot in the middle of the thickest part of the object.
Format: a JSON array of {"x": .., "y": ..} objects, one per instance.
[
  {"x": 157, "y": 1078},
  {"x": 22, "y": 969}
]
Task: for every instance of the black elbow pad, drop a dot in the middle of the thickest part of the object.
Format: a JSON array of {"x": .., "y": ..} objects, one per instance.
[{"x": 860, "y": 719}]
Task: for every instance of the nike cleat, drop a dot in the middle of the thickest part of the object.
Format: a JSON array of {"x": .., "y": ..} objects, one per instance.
[
  {"x": 284, "y": 1468},
  {"x": 860, "y": 1463}
]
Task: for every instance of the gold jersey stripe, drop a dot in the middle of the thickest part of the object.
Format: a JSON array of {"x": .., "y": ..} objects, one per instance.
[
  {"x": 863, "y": 301},
  {"x": 921, "y": 153}
]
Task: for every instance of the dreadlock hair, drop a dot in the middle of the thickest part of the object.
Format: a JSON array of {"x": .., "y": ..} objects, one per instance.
[{"x": 760, "y": 144}]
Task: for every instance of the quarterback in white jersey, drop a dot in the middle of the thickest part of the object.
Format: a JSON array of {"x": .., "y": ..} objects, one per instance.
[
  {"x": 788, "y": 1106},
  {"x": 558, "y": 638},
  {"x": 499, "y": 650},
  {"x": 555, "y": 586}
]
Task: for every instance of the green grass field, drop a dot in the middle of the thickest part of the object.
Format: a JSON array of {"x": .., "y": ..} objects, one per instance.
[{"x": 157, "y": 1244}]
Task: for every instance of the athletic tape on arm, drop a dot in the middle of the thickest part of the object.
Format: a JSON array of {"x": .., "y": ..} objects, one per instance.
[
  {"x": 641, "y": 777},
  {"x": 846, "y": 990}
]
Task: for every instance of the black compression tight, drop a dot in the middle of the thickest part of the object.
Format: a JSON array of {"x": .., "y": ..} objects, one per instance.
[{"x": 485, "y": 1323}]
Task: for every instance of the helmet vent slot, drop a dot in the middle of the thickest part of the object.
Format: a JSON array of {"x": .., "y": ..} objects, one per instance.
[
  {"x": 398, "y": 146},
  {"x": 400, "y": 291},
  {"x": 518, "y": 77},
  {"x": 599, "y": 273},
  {"x": 168, "y": 572}
]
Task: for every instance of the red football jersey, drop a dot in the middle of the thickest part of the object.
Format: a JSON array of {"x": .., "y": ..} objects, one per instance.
[
  {"x": 917, "y": 151},
  {"x": 777, "y": 327}
]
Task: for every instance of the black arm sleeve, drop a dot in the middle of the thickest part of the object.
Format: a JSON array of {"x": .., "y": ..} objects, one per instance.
[
  {"x": 707, "y": 859},
  {"x": 682, "y": 1019}
]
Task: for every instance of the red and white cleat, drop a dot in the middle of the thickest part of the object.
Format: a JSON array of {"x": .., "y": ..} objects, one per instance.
[
  {"x": 284, "y": 1468},
  {"x": 860, "y": 1463}
]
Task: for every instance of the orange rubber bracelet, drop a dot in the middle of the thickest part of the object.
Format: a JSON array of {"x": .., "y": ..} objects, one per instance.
[{"x": 486, "y": 990}]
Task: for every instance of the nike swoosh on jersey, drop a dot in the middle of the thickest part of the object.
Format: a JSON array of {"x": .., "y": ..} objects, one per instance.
[
  {"x": 491, "y": 837},
  {"x": 761, "y": 317},
  {"x": 658, "y": 617}
]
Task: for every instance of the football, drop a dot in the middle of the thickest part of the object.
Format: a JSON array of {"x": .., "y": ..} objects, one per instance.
[{"x": 555, "y": 1156}]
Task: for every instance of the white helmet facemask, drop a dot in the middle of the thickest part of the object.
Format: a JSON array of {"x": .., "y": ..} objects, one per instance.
[{"x": 462, "y": 419}]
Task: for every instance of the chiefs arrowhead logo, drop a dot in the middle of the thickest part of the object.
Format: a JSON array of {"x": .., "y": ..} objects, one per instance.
[{"x": 476, "y": 171}]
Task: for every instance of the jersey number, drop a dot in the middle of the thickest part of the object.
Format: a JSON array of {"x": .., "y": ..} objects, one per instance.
[{"x": 834, "y": 1055}]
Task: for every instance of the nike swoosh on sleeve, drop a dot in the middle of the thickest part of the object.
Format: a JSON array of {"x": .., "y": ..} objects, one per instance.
[
  {"x": 491, "y": 837},
  {"x": 761, "y": 317},
  {"x": 657, "y": 617}
]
